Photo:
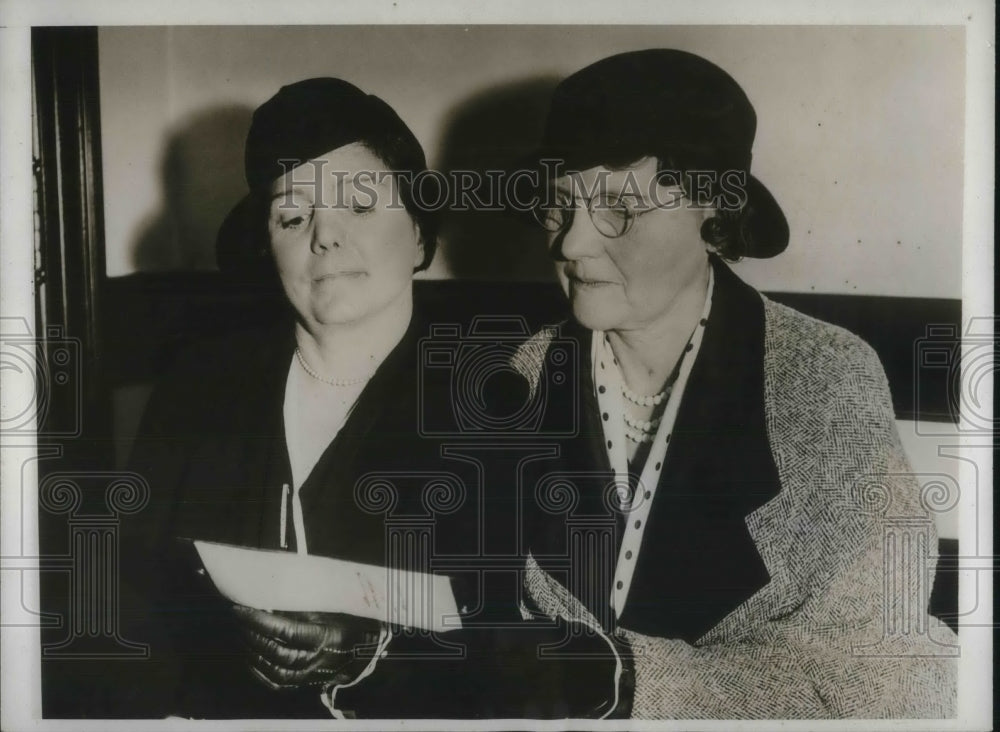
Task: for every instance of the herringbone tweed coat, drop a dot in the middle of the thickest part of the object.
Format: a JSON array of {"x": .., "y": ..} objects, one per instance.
[{"x": 789, "y": 555}]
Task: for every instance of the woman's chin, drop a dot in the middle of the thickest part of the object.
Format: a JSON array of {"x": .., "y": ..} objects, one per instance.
[
  {"x": 594, "y": 321},
  {"x": 338, "y": 317},
  {"x": 352, "y": 312},
  {"x": 335, "y": 306},
  {"x": 593, "y": 314},
  {"x": 334, "y": 312}
]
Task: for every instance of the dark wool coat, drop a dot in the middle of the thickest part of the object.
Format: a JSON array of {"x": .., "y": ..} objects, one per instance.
[{"x": 404, "y": 483}]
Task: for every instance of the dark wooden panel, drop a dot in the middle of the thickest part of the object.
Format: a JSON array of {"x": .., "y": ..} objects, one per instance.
[
  {"x": 149, "y": 315},
  {"x": 74, "y": 423},
  {"x": 69, "y": 267}
]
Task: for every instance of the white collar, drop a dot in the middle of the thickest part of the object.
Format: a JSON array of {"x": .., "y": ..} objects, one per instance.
[{"x": 608, "y": 382}]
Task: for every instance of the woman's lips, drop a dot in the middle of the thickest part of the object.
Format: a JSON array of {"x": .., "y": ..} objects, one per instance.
[
  {"x": 585, "y": 282},
  {"x": 346, "y": 274}
]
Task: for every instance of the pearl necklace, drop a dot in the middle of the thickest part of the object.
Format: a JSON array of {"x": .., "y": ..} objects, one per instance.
[
  {"x": 652, "y": 400},
  {"x": 640, "y": 424},
  {"x": 640, "y": 430},
  {"x": 637, "y": 435},
  {"x": 332, "y": 382},
  {"x": 643, "y": 430}
]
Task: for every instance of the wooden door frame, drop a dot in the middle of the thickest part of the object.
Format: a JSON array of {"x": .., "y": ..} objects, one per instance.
[{"x": 69, "y": 242}]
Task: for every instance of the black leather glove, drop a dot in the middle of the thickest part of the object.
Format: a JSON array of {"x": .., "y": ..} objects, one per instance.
[
  {"x": 560, "y": 670},
  {"x": 291, "y": 650}
]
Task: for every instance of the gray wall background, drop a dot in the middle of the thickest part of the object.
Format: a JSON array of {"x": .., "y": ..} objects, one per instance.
[
  {"x": 860, "y": 138},
  {"x": 860, "y": 134}
]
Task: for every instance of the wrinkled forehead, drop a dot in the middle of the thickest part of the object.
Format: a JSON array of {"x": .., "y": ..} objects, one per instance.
[{"x": 636, "y": 179}]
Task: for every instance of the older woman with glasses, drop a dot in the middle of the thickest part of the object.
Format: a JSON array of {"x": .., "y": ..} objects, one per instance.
[{"x": 743, "y": 456}]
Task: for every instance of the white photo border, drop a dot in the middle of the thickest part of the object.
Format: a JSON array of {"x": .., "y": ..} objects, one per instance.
[{"x": 21, "y": 688}]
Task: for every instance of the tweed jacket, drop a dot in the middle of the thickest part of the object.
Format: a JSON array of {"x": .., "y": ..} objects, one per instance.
[{"x": 788, "y": 556}]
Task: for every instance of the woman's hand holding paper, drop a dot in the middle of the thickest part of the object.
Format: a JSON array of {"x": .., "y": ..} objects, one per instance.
[{"x": 290, "y": 650}]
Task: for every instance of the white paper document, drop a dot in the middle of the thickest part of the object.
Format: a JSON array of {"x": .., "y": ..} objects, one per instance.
[{"x": 277, "y": 580}]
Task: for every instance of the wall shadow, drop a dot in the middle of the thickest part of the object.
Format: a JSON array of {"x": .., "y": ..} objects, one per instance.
[
  {"x": 201, "y": 173},
  {"x": 496, "y": 129}
]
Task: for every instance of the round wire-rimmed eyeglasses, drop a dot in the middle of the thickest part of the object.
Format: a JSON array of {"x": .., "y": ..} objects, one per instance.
[{"x": 611, "y": 217}]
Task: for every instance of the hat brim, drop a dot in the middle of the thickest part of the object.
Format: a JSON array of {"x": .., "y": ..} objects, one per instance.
[
  {"x": 765, "y": 226},
  {"x": 241, "y": 245}
]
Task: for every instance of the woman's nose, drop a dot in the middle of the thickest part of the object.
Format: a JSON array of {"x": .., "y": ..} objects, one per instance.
[
  {"x": 328, "y": 232},
  {"x": 579, "y": 239}
]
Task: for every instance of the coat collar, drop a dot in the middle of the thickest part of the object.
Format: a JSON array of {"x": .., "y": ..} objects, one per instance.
[
  {"x": 698, "y": 561},
  {"x": 262, "y": 418},
  {"x": 387, "y": 386}
]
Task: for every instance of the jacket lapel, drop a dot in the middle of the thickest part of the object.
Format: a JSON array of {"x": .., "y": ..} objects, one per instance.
[
  {"x": 267, "y": 468},
  {"x": 698, "y": 561},
  {"x": 336, "y": 524}
]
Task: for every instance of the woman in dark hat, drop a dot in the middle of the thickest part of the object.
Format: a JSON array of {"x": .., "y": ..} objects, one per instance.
[
  {"x": 261, "y": 439},
  {"x": 751, "y": 453},
  {"x": 305, "y": 436}
]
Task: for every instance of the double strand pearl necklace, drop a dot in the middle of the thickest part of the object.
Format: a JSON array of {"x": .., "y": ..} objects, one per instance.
[
  {"x": 639, "y": 436},
  {"x": 652, "y": 400},
  {"x": 332, "y": 382},
  {"x": 642, "y": 430},
  {"x": 643, "y": 425},
  {"x": 636, "y": 430}
]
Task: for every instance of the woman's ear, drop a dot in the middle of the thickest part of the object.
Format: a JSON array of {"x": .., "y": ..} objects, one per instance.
[
  {"x": 712, "y": 231},
  {"x": 710, "y": 227},
  {"x": 418, "y": 260}
]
